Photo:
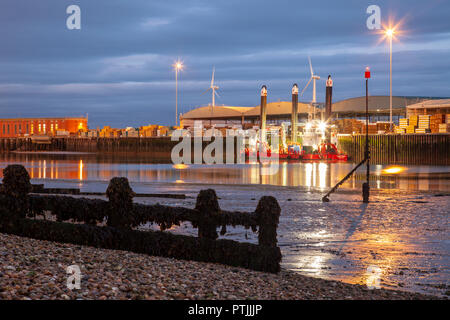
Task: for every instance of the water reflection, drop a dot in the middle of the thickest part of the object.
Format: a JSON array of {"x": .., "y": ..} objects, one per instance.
[{"x": 313, "y": 176}]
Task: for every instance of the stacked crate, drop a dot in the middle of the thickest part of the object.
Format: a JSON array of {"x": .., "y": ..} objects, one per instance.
[
  {"x": 444, "y": 128},
  {"x": 403, "y": 123},
  {"x": 383, "y": 127},
  {"x": 412, "y": 124},
  {"x": 348, "y": 126},
  {"x": 413, "y": 121},
  {"x": 402, "y": 126},
  {"x": 372, "y": 128},
  {"x": 435, "y": 121},
  {"x": 398, "y": 130},
  {"x": 424, "y": 124}
]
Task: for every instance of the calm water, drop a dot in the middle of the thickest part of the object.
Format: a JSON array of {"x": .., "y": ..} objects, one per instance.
[
  {"x": 309, "y": 176},
  {"x": 402, "y": 235}
]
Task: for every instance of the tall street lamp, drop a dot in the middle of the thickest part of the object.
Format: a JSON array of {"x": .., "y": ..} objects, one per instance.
[
  {"x": 390, "y": 34},
  {"x": 178, "y": 66}
]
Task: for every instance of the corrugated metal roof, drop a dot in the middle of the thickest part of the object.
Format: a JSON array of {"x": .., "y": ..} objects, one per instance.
[
  {"x": 215, "y": 112},
  {"x": 441, "y": 103},
  {"x": 278, "y": 108},
  {"x": 273, "y": 108},
  {"x": 352, "y": 105},
  {"x": 375, "y": 103}
]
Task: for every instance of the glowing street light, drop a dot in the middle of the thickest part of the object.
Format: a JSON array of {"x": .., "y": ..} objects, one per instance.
[
  {"x": 390, "y": 34},
  {"x": 178, "y": 66}
]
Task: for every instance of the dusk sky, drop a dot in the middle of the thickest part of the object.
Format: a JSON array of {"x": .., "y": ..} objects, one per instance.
[{"x": 118, "y": 67}]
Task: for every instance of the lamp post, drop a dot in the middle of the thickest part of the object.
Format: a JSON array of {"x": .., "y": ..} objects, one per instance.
[
  {"x": 178, "y": 66},
  {"x": 390, "y": 35},
  {"x": 366, "y": 185}
]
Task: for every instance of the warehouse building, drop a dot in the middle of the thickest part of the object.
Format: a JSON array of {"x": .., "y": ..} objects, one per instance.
[
  {"x": 22, "y": 127},
  {"x": 429, "y": 107},
  {"x": 278, "y": 112}
]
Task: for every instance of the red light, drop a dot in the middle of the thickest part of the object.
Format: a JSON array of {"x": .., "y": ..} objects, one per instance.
[{"x": 367, "y": 73}]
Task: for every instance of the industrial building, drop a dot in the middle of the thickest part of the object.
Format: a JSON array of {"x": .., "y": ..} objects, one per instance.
[
  {"x": 22, "y": 127},
  {"x": 278, "y": 112},
  {"x": 429, "y": 107}
]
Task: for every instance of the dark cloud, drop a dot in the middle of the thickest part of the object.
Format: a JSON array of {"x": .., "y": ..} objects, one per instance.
[{"x": 117, "y": 67}]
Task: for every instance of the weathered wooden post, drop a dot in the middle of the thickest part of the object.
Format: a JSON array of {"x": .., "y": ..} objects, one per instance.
[
  {"x": 120, "y": 197},
  {"x": 268, "y": 216},
  {"x": 16, "y": 186},
  {"x": 208, "y": 206}
]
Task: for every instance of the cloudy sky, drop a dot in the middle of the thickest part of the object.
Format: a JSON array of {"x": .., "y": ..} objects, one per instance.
[{"x": 118, "y": 67}]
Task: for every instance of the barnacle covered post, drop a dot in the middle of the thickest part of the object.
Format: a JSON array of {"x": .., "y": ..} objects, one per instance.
[
  {"x": 16, "y": 186},
  {"x": 208, "y": 207},
  {"x": 268, "y": 215},
  {"x": 120, "y": 197}
]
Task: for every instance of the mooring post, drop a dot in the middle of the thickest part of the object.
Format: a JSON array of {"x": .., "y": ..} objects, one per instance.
[
  {"x": 208, "y": 206},
  {"x": 268, "y": 216}
]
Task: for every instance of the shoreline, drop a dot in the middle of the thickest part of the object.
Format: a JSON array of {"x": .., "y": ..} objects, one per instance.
[{"x": 35, "y": 269}]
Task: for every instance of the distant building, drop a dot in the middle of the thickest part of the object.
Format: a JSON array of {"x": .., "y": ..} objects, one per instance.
[
  {"x": 153, "y": 131},
  {"x": 22, "y": 127},
  {"x": 429, "y": 107},
  {"x": 278, "y": 112}
]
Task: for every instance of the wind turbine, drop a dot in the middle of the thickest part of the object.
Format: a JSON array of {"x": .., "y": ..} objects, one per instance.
[
  {"x": 313, "y": 78},
  {"x": 213, "y": 89}
]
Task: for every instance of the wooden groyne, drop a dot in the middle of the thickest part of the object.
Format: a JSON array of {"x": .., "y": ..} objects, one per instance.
[{"x": 410, "y": 149}]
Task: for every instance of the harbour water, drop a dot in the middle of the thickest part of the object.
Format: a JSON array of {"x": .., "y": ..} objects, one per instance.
[{"x": 400, "y": 239}]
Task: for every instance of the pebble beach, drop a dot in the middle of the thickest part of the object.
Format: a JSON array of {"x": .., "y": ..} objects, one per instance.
[{"x": 33, "y": 269}]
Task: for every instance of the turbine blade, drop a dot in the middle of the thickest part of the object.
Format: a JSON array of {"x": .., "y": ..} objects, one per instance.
[
  {"x": 304, "y": 89},
  {"x": 216, "y": 93},
  {"x": 212, "y": 78},
  {"x": 206, "y": 91},
  {"x": 310, "y": 66}
]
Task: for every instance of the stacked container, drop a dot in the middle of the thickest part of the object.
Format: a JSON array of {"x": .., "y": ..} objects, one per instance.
[
  {"x": 435, "y": 122},
  {"x": 412, "y": 124},
  {"x": 424, "y": 124}
]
